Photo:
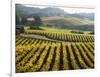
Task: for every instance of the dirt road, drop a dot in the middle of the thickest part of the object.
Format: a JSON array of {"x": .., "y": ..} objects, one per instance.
[{"x": 39, "y": 37}]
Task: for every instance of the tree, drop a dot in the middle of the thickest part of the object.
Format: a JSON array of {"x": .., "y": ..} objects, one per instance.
[
  {"x": 18, "y": 20},
  {"x": 37, "y": 21},
  {"x": 21, "y": 20},
  {"x": 24, "y": 20}
]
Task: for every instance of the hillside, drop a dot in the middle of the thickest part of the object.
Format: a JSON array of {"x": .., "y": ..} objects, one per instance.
[
  {"x": 73, "y": 21},
  {"x": 55, "y": 17},
  {"x": 22, "y": 10}
]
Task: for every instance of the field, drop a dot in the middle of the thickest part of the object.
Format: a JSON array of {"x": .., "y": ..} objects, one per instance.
[
  {"x": 53, "y": 38},
  {"x": 62, "y": 36},
  {"x": 61, "y": 51}
]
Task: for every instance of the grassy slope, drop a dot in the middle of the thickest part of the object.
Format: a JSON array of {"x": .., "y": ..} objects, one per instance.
[
  {"x": 50, "y": 29},
  {"x": 68, "y": 21}
]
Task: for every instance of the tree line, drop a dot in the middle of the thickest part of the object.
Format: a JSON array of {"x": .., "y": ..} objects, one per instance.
[{"x": 23, "y": 21}]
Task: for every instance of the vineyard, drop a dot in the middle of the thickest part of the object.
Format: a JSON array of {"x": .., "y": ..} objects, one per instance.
[
  {"x": 63, "y": 36},
  {"x": 69, "y": 52},
  {"x": 53, "y": 38}
]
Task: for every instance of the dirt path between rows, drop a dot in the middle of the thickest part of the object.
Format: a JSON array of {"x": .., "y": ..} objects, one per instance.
[{"x": 38, "y": 37}]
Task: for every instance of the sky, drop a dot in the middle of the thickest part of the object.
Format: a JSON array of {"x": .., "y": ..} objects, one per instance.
[
  {"x": 75, "y": 3},
  {"x": 89, "y": 2},
  {"x": 66, "y": 9}
]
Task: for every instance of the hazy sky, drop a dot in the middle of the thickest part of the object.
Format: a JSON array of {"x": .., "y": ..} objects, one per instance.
[
  {"x": 69, "y": 10},
  {"x": 64, "y": 2}
]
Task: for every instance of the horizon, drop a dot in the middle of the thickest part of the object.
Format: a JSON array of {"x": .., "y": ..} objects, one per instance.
[{"x": 66, "y": 9}]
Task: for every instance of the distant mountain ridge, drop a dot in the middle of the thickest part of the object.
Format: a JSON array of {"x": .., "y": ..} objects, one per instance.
[
  {"x": 49, "y": 11},
  {"x": 56, "y": 18}
]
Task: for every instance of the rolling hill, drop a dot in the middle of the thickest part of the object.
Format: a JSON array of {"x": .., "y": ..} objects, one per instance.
[
  {"x": 57, "y": 18},
  {"x": 72, "y": 23},
  {"x": 22, "y": 10}
]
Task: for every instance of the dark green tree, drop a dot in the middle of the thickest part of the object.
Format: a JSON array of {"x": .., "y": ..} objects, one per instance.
[
  {"x": 38, "y": 21},
  {"x": 24, "y": 20},
  {"x": 18, "y": 20}
]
